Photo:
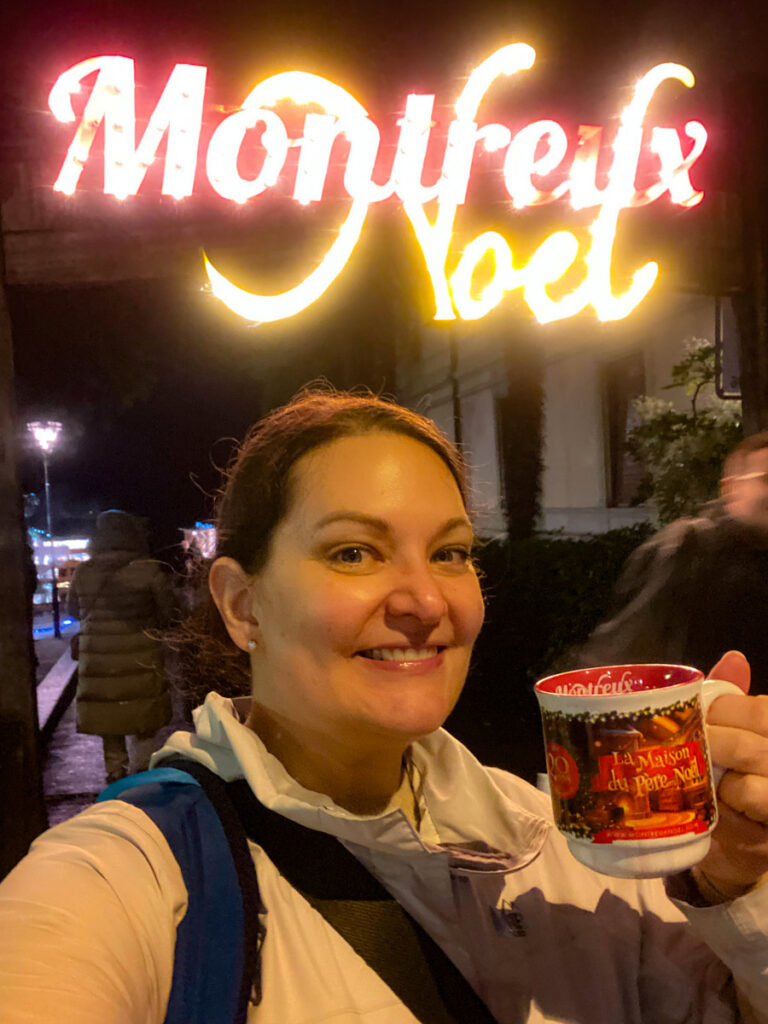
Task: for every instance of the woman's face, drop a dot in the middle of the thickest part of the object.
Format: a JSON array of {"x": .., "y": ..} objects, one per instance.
[{"x": 369, "y": 604}]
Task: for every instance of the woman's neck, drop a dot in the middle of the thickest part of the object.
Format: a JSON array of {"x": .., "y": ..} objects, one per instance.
[{"x": 362, "y": 781}]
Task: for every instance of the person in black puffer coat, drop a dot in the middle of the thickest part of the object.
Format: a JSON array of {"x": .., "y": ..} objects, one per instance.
[{"x": 120, "y": 594}]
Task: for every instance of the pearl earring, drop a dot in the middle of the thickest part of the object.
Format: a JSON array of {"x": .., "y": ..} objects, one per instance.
[{"x": 251, "y": 645}]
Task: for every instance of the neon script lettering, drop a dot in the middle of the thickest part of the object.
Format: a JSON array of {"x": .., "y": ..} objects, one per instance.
[{"x": 536, "y": 151}]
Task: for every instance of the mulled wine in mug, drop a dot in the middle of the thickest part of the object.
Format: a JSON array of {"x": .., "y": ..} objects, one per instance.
[{"x": 631, "y": 780}]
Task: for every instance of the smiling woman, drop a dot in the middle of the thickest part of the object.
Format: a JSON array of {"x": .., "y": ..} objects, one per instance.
[
  {"x": 387, "y": 876},
  {"x": 363, "y": 618}
]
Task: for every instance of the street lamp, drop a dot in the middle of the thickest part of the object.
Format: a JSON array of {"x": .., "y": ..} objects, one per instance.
[{"x": 46, "y": 436}]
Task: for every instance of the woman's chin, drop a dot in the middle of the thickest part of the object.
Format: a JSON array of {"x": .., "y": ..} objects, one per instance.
[{"x": 414, "y": 723}]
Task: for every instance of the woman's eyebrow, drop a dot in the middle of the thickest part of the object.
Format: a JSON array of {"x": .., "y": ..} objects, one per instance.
[
  {"x": 372, "y": 522},
  {"x": 453, "y": 524},
  {"x": 382, "y": 527}
]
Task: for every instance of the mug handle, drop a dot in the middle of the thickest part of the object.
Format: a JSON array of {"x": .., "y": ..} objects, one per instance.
[{"x": 711, "y": 688}]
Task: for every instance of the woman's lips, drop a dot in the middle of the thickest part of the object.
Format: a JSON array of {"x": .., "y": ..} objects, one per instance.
[{"x": 403, "y": 659}]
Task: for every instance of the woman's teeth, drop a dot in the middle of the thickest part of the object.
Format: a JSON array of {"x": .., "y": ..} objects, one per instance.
[{"x": 400, "y": 653}]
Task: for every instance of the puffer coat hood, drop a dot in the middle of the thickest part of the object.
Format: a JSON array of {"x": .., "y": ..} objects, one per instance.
[{"x": 119, "y": 531}]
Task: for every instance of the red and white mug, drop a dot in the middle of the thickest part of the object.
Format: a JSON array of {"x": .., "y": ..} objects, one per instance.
[{"x": 632, "y": 784}]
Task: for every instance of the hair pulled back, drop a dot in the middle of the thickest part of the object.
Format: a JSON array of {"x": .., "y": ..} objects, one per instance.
[{"x": 256, "y": 495}]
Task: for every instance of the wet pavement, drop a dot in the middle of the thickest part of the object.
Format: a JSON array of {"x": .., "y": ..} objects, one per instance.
[
  {"x": 48, "y": 650},
  {"x": 73, "y": 770}
]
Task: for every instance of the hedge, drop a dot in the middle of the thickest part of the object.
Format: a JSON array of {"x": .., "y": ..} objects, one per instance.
[{"x": 544, "y": 596}]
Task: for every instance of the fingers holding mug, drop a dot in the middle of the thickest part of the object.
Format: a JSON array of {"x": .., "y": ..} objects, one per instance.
[
  {"x": 737, "y": 730},
  {"x": 737, "y": 734},
  {"x": 745, "y": 793},
  {"x": 738, "y": 857}
]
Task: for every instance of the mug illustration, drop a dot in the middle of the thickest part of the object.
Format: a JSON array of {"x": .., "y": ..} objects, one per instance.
[{"x": 639, "y": 775}]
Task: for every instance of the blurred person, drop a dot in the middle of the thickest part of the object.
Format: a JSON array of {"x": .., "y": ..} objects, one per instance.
[
  {"x": 344, "y": 604},
  {"x": 119, "y": 594},
  {"x": 700, "y": 585},
  {"x": 193, "y": 574},
  {"x": 185, "y": 565}
]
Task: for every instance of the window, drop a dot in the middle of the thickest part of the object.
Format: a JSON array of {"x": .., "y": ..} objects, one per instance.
[{"x": 623, "y": 380}]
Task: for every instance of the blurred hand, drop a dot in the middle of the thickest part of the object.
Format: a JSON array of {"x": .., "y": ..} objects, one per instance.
[{"x": 737, "y": 729}]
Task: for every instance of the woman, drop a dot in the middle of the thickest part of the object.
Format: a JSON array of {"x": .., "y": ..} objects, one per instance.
[
  {"x": 120, "y": 594},
  {"x": 345, "y": 586}
]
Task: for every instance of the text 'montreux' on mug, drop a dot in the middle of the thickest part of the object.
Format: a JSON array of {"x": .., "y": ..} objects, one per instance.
[{"x": 628, "y": 764}]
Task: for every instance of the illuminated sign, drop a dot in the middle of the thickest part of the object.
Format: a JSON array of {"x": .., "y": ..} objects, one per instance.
[{"x": 533, "y": 154}]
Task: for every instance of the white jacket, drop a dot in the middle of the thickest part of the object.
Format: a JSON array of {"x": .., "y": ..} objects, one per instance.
[{"x": 539, "y": 936}]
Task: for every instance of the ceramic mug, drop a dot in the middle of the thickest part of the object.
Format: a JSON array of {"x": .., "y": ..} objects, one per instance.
[{"x": 632, "y": 784}]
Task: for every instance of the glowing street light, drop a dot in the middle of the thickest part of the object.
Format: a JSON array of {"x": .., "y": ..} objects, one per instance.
[{"x": 46, "y": 436}]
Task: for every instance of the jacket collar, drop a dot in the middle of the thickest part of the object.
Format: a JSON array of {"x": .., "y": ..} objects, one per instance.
[{"x": 475, "y": 819}]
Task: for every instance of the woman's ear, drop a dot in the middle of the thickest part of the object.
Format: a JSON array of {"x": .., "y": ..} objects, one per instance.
[{"x": 230, "y": 589}]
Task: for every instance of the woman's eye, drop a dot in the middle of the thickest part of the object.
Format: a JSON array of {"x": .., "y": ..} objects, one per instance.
[
  {"x": 350, "y": 555},
  {"x": 454, "y": 556}
]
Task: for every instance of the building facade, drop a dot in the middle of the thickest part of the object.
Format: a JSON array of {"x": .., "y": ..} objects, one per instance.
[{"x": 460, "y": 376}]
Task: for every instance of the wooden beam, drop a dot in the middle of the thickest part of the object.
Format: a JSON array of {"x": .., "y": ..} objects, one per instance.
[{"x": 22, "y": 807}]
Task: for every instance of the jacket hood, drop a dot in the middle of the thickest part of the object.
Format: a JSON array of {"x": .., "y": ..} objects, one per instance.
[{"x": 119, "y": 531}]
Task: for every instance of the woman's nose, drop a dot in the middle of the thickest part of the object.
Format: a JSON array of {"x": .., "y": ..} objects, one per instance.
[{"x": 417, "y": 596}]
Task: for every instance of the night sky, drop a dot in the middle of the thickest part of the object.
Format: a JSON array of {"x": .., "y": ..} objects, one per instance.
[{"x": 150, "y": 377}]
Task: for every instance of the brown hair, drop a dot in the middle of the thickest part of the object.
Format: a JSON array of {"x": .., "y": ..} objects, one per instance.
[{"x": 256, "y": 495}]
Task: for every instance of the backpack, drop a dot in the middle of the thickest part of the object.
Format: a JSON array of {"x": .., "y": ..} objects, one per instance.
[{"x": 218, "y": 943}]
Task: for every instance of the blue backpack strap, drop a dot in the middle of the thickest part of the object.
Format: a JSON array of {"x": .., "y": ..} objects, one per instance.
[{"x": 212, "y": 974}]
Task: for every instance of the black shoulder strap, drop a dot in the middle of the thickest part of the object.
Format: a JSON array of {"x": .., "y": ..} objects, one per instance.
[
  {"x": 361, "y": 910},
  {"x": 353, "y": 902}
]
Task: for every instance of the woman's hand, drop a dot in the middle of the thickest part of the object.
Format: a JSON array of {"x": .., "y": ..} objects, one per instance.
[{"x": 737, "y": 729}]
